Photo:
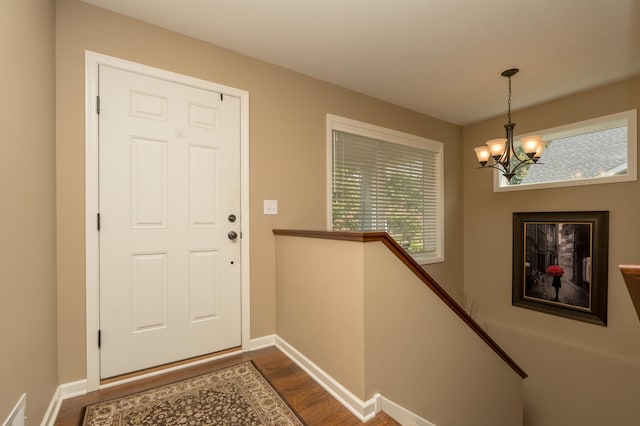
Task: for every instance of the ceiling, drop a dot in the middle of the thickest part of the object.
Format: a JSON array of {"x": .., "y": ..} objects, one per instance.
[{"x": 442, "y": 58}]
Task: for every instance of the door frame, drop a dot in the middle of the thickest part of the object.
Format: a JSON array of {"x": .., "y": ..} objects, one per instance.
[{"x": 92, "y": 249}]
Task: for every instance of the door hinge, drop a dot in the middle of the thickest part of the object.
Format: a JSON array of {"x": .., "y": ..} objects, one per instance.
[
  {"x": 98, "y": 104},
  {"x": 99, "y": 338},
  {"x": 98, "y": 221}
]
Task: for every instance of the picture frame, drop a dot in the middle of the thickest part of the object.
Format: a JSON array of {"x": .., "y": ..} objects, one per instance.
[{"x": 560, "y": 263}]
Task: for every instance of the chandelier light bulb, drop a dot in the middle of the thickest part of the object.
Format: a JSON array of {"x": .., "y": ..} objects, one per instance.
[
  {"x": 497, "y": 147},
  {"x": 530, "y": 144},
  {"x": 483, "y": 153}
]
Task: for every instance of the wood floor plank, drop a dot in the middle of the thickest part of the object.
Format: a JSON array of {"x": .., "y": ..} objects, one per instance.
[{"x": 312, "y": 403}]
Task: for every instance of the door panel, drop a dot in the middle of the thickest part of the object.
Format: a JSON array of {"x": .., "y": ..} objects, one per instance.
[{"x": 169, "y": 177}]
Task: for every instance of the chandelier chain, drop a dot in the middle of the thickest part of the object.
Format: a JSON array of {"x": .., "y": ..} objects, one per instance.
[{"x": 509, "y": 103}]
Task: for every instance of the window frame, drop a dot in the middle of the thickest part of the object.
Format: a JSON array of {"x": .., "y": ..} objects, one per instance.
[
  {"x": 367, "y": 130},
  {"x": 577, "y": 128}
]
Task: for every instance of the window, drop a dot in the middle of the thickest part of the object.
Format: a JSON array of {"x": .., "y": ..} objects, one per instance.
[
  {"x": 601, "y": 150},
  {"x": 384, "y": 180}
]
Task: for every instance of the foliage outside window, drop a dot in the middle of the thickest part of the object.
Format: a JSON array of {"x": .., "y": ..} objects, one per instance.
[
  {"x": 383, "y": 180},
  {"x": 601, "y": 150}
]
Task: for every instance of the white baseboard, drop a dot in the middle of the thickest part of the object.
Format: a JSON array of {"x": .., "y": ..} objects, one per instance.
[
  {"x": 52, "y": 410},
  {"x": 401, "y": 414},
  {"x": 364, "y": 410},
  {"x": 17, "y": 415},
  {"x": 73, "y": 389},
  {"x": 64, "y": 391},
  {"x": 262, "y": 342}
]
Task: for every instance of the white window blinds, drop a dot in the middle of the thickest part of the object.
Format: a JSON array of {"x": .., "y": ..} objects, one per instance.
[{"x": 383, "y": 186}]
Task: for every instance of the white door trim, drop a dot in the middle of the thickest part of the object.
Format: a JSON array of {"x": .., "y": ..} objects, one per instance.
[{"x": 92, "y": 61}]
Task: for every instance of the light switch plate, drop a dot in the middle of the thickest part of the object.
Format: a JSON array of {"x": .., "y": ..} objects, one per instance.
[{"x": 270, "y": 206}]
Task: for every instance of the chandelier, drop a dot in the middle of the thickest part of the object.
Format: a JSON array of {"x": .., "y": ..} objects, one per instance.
[{"x": 501, "y": 154}]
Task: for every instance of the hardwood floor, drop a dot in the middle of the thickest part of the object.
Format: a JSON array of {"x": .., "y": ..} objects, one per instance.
[{"x": 315, "y": 405}]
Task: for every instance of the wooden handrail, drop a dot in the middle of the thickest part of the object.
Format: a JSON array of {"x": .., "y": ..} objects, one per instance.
[
  {"x": 418, "y": 270},
  {"x": 631, "y": 274}
]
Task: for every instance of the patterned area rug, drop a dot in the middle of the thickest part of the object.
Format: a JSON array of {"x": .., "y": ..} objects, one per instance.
[{"x": 236, "y": 395}]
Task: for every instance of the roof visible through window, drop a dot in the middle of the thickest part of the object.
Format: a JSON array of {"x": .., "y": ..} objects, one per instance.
[{"x": 602, "y": 153}]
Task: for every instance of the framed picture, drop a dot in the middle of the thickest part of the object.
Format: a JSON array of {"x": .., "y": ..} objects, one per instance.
[{"x": 560, "y": 263}]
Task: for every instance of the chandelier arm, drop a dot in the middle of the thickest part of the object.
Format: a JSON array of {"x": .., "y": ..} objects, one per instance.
[
  {"x": 522, "y": 164},
  {"x": 496, "y": 166},
  {"x": 522, "y": 159},
  {"x": 500, "y": 166}
]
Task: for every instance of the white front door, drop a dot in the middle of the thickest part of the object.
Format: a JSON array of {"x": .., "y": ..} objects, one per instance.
[{"x": 169, "y": 201}]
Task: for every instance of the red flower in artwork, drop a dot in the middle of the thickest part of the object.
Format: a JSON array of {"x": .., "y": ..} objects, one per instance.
[{"x": 555, "y": 270}]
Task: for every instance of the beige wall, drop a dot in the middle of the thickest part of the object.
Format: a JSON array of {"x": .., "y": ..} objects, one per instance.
[
  {"x": 27, "y": 191},
  {"x": 355, "y": 310},
  {"x": 319, "y": 294},
  {"x": 421, "y": 355},
  {"x": 287, "y": 153},
  {"x": 556, "y": 350}
]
